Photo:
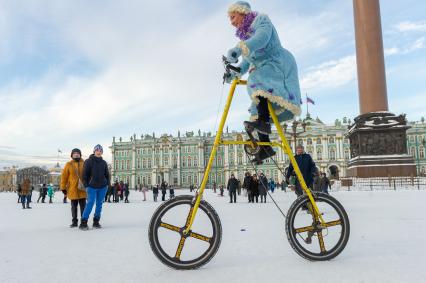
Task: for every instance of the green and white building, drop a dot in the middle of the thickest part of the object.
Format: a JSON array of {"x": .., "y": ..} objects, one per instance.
[{"x": 180, "y": 160}]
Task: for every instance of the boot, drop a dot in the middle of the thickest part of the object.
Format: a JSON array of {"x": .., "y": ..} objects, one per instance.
[
  {"x": 83, "y": 225},
  {"x": 264, "y": 153},
  {"x": 96, "y": 224},
  {"x": 258, "y": 126},
  {"x": 28, "y": 206},
  {"x": 74, "y": 223}
]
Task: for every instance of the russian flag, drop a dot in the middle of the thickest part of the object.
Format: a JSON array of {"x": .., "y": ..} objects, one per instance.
[{"x": 308, "y": 100}]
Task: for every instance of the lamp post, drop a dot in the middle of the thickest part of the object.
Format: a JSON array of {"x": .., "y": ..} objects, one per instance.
[{"x": 294, "y": 133}]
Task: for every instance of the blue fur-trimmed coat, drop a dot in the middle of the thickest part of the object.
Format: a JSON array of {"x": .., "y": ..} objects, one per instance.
[{"x": 272, "y": 70}]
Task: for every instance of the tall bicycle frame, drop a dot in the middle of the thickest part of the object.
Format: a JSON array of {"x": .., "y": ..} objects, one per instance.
[{"x": 218, "y": 141}]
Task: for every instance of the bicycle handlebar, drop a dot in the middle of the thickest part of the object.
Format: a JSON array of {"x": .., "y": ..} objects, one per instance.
[
  {"x": 228, "y": 65},
  {"x": 228, "y": 68}
]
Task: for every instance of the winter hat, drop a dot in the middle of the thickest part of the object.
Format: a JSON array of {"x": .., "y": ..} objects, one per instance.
[
  {"x": 98, "y": 147},
  {"x": 75, "y": 150},
  {"x": 241, "y": 7}
]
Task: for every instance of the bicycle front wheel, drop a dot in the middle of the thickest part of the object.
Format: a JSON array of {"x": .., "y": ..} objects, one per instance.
[
  {"x": 312, "y": 239},
  {"x": 184, "y": 251}
]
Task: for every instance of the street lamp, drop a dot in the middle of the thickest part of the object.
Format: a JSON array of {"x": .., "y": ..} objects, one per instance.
[{"x": 294, "y": 133}]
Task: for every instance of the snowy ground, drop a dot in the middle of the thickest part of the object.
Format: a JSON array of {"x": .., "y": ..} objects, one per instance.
[{"x": 387, "y": 243}]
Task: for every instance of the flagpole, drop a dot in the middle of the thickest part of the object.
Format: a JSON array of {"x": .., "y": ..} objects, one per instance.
[{"x": 307, "y": 106}]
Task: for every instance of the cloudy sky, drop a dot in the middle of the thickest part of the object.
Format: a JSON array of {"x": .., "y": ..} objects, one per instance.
[{"x": 77, "y": 73}]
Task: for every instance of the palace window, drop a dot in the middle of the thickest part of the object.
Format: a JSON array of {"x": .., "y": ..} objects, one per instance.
[
  {"x": 309, "y": 141},
  {"x": 331, "y": 140},
  {"x": 318, "y": 140},
  {"x": 332, "y": 153},
  {"x": 422, "y": 152},
  {"x": 319, "y": 153},
  {"x": 347, "y": 153}
]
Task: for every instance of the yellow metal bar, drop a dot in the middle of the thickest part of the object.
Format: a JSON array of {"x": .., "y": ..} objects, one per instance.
[
  {"x": 213, "y": 153},
  {"x": 287, "y": 149},
  {"x": 250, "y": 143}
]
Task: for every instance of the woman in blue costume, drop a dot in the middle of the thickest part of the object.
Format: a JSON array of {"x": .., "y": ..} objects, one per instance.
[{"x": 272, "y": 71}]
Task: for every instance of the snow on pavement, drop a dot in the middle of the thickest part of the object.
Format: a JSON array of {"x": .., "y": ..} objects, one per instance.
[{"x": 387, "y": 243}]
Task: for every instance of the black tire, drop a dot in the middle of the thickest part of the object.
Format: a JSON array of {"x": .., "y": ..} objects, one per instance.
[
  {"x": 297, "y": 243},
  {"x": 214, "y": 241}
]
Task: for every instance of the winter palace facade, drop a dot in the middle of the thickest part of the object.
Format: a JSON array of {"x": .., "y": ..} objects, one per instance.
[{"x": 180, "y": 160}]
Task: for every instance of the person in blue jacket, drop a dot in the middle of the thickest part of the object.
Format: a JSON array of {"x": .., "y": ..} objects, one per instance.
[
  {"x": 96, "y": 180},
  {"x": 272, "y": 70}
]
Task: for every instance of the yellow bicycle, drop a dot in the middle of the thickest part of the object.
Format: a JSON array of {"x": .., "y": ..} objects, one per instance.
[{"x": 183, "y": 243}]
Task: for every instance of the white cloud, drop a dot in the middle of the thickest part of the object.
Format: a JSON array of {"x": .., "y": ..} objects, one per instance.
[
  {"x": 407, "y": 26},
  {"x": 407, "y": 48},
  {"x": 330, "y": 74}
]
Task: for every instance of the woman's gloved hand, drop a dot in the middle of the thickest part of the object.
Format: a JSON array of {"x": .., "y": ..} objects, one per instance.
[
  {"x": 233, "y": 55},
  {"x": 231, "y": 75}
]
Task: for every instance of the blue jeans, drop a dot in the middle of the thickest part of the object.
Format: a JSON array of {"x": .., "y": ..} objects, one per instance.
[
  {"x": 25, "y": 199},
  {"x": 94, "y": 195}
]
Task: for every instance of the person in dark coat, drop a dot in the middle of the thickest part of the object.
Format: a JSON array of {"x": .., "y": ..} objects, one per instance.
[
  {"x": 263, "y": 187},
  {"x": 120, "y": 191},
  {"x": 232, "y": 188},
  {"x": 254, "y": 188},
  {"x": 19, "y": 192},
  {"x": 171, "y": 192},
  {"x": 307, "y": 168},
  {"x": 163, "y": 190},
  {"x": 96, "y": 180},
  {"x": 40, "y": 195},
  {"x": 246, "y": 183},
  {"x": 115, "y": 191},
  {"x": 126, "y": 192},
  {"x": 221, "y": 190},
  {"x": 325, "y": 184},
  {"x": 284, "y": 186},
  {"x": 317, "y": 182},
  {"x": 155, "y": 192}
]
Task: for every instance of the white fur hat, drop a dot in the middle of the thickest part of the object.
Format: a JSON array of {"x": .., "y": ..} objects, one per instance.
[{"x": 240, "y": 7}]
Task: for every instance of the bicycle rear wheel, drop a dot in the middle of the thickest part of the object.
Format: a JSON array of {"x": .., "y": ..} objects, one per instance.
[
  {"x": 184, "y": 251},
  {"x": 311, "y": 239}
]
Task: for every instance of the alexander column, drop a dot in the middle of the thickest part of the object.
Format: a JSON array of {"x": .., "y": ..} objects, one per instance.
[{"x": 377, "y": 137}]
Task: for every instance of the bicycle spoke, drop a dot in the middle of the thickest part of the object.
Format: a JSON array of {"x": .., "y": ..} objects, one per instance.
[
  {"x": 321, "y": 242},
  {"x": 304, "y": 229},
  {"x": 332, "y": 223},
  {"x": 200, "y": 237},
  {"x": 180, "y": 248},
  {"x": 170, "y": 227}
]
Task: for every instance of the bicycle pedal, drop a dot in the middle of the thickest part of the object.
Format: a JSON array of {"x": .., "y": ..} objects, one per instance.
[{"x": 308, "y": 239}]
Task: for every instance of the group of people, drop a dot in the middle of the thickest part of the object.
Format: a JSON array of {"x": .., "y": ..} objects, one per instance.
[
  {"x": 258, "y": 184},
  {"x": 86, "y": 183},
  {"x": 164, "y": 187},
  {"x": 253, "y": 186},
  {"x": 118, "y": 191}
]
